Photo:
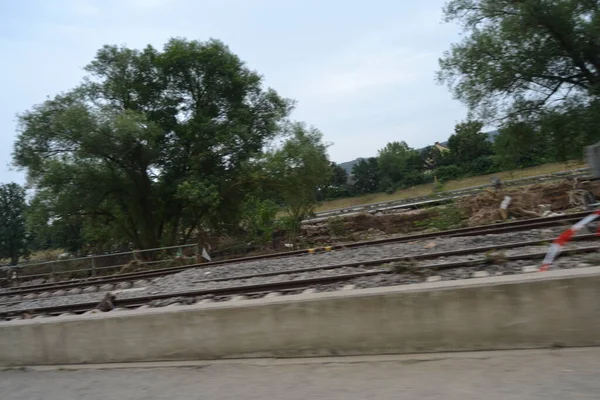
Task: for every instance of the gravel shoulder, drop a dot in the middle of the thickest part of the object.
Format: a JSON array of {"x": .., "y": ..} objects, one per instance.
[{"x": 523, "y": 375}]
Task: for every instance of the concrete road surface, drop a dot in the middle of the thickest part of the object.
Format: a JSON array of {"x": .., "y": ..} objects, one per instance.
[{"x": 523, "y": 375}]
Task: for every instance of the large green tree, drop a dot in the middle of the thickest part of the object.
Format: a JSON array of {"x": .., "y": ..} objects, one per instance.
[
  {"x": 297, "y": 170},
  {"x": 13, "y": 235},
  {"x": 522, "y": 56},
  {"x": 520, "y": 144},
  {"x": 397, "y": 161},
  {"x": 468, "y": 143},
  {"x": 153, "y": 145},
  {"x": 365, "y": 174}
]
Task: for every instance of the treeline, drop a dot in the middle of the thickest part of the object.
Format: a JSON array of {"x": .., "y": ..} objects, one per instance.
[{"x": 469, "y": 152}]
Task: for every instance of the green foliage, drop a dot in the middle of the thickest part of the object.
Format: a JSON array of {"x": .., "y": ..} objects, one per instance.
[
  {"x": 448, "y": 172},
  {"x": 518, "y": 57},
  {"x": 259, "y": 220},
  {"x": 469, "y": 143},
  {"x": 48, "y": 230},
  {"x": 13, "y": 235},
  {"x": 153, "y": 145},
  {"x": 337, "y": 186},
  {"x": 520, "y": 145},
  {"x": 397, "y": 160},
  {"x": 297, "y": 170},
  {"x": 449, "y": 217},
  {"x": 366, "y": 175}
]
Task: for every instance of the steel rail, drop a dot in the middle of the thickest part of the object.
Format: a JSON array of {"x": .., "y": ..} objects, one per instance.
[{"x": 471, "y": 231}]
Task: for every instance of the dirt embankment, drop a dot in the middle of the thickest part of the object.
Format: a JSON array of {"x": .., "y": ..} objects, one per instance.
[{"x": 533, "y": 201}]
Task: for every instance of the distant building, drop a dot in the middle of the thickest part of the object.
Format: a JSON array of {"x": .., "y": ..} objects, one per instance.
[{"x": 441, "y": 147}]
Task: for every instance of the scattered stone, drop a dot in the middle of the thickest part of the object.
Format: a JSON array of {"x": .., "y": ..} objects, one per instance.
[
  {"x": 530, "y": 268},
  {"x": 90, "y": 312},
  {"x": 67, "y": 314},
  {"x": 206, "y": 301},
  {"x": 430, "y": 245},
  {"x": 480, "y": 274},
  {"x": 118, "y": 309},
  {"x": 59, "y": 293},
  {"x": 309, "y": 291},
  {"x": 349, "y": 287},
  {"x": 140, "y": 283},
  {"x": 44, "y": 295},
  {"x": 143, "y": 307},
  {"x": 583, "y": 265},
  {"x": 41, "y": 316},
  {"x": 238, "y": 298},
  {"x": 30, "y": 296},
  {"x": 75, "y": 291},
  {"x": 272, "y": 294},
  {"x": 435, "y": 278},
  {"x": 108, "y": 303},
  {"x": 123, "y": 285},
  {"x": 90, "y": 289},
  {"x": 108, "y": 287},
  {"x": 173, "y": 304}
]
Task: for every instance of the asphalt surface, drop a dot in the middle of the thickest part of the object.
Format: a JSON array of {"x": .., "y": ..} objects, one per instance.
[{"x": 523, "y": 375}]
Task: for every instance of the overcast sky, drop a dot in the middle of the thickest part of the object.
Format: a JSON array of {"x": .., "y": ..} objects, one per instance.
[{"x": 363, "y": 72}]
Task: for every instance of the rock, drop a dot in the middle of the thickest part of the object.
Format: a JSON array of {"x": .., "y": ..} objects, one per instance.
[
  {"x": 107, "y": 287},
  {"x": 430, "y": 245},
  {"x": 207, "y": 301},
  {"x": 59, "y": 293},
  {"x": 309, "y": 291},
  {"x": 67, "y": 314},
  {"x": 140, "y": 283},
  {"x": 30, "y": 296},
  {"x": 272, "y": 294},
  {"x": 44, "y": 295},
  {"x": 435, "y": 278},
  {"x": 238, "y": 298},
  {"x": 90, "y": 289},
  {"x": 173, "y": 304},
  {"x": 143, "y": 307},
  {"x": 530, "y": 268},
  {"x": 480, "y": 274},
  {"x": 75, "y": 291},
  {"x": 123, "y": 285},
  {"x": 349, "y": 287}
]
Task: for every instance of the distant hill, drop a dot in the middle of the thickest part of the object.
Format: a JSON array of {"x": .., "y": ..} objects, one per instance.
[{"x": 349, "y": 164}]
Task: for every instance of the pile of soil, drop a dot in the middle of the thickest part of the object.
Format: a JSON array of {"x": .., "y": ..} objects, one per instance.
[
  {"x": 367, "y": 226},
  {"x": 525, "y": 201}
]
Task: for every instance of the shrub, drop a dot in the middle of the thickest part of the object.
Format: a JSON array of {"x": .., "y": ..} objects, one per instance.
[{"x": 449, "y": 172}]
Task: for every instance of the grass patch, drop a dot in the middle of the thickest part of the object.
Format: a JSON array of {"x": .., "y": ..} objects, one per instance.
[
  {"x": 449, "y": 217},
  {"x": 427, "y": 189}
]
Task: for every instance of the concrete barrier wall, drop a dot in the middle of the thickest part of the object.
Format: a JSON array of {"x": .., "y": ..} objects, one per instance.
[{"x": 532, "y": 311}]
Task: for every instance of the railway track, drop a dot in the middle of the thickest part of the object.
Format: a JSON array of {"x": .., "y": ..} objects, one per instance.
[
  {"x": 500, "y": 228},
  {"x": 238, "y": 286}
]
